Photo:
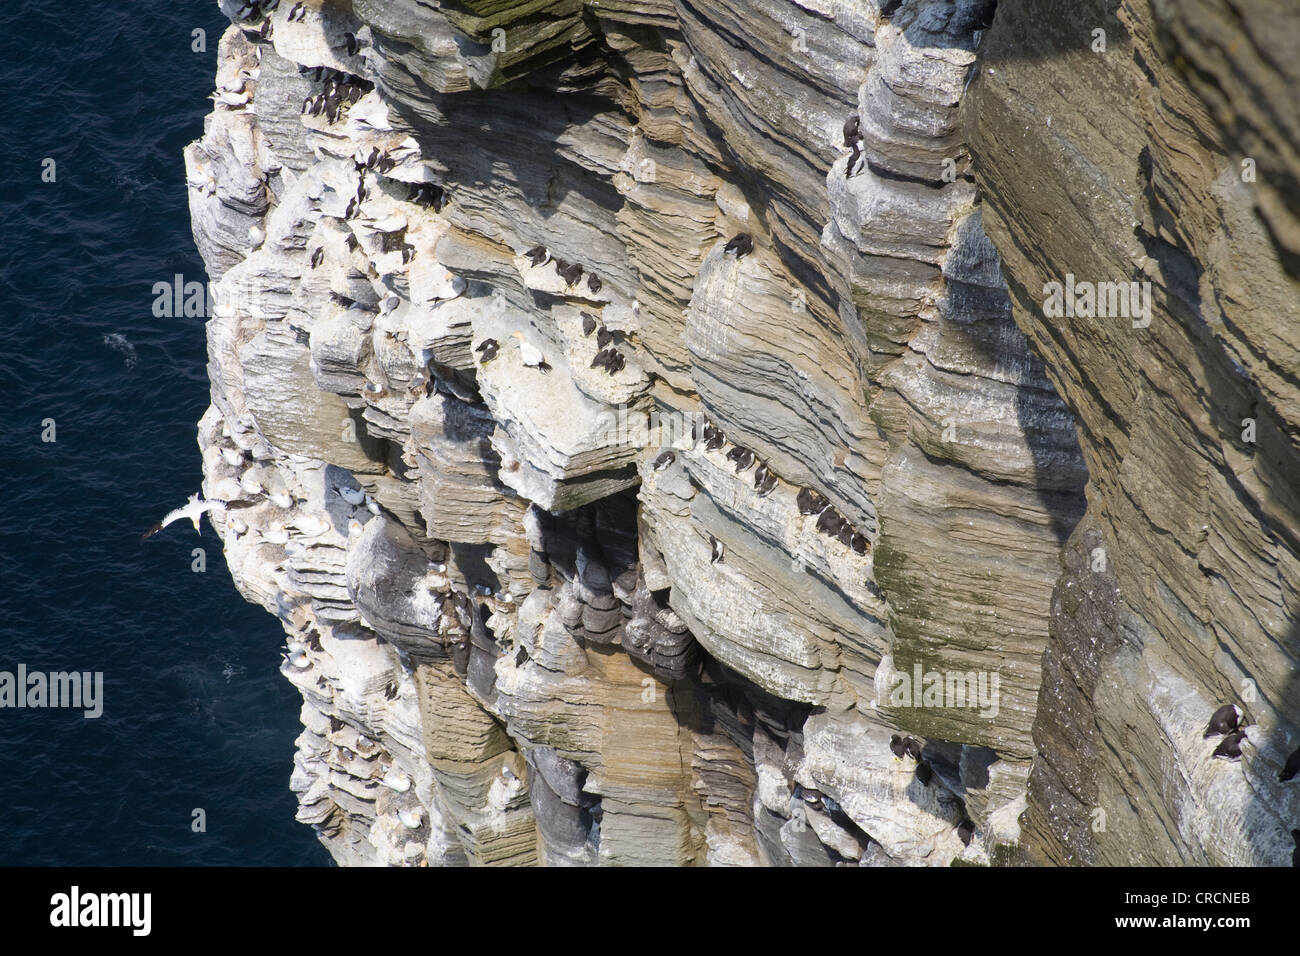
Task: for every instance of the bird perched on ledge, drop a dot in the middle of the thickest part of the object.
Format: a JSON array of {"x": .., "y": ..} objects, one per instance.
[
  {"x": 742, "y": 244},
  {"x": 530, "y": 354}
]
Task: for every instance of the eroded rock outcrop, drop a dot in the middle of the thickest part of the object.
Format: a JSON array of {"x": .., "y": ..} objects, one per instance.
[{"x": 631, "y": 424}]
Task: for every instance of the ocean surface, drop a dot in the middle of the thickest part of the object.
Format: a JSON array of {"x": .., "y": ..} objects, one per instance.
[{"x": 195, "y": 713}]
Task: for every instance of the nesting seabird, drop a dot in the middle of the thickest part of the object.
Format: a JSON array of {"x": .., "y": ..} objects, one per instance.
[
  {"x": 852, "y": 129},
  {"x": 537, "y": 255},
  {"x": 718, "y": 549},
  {"x": 296, "y": 12},
  {"x": 913, "y": 748},
  {"x": 318, "y": 256},
  {"x": 810, "y": 502},
  {"x": 924, "y": 774},
  {"x": 233, "y": 456},
  {"x": 766, "y": 486},
  {"x": 390, "y": 690},
  {"x": 594, "y": 284},
  {"x": 1223, "y": 721},
  {"x": 1230, "y": 747},
  {"x": 830, "y": 521},
  {"x": 859, "y": 543},
  {"x": 715, "y": 440},
  {"x": 743, "y": 458},
  {"x": 588, "y": 323},
  {"x": 742, "y": 244},
  {"x": 1292, "y": 767},
  {"x": 896, "y": 745},
  {"x": 603, "y": 358},
  {"x": 353, "y": 496},
  {"x": 350, "y": 44},
  {"x": 570, "y": 272},
  {"x": 530, "y": 354},
  {"x": 966, "y": 830},
  {"x": 664, "y": 460}
]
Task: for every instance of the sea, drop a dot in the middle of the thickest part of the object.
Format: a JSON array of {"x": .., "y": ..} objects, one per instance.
[{"x": 189, "y": 763}]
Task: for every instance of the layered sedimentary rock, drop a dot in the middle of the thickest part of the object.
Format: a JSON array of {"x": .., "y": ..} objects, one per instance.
[{"x": 634, "y": 431}]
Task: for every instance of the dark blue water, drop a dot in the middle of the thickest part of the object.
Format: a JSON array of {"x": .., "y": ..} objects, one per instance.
[{"x": 195, "y": 713}]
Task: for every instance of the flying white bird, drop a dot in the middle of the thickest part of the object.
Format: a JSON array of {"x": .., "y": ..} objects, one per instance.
[{"x": 193, "y": 510}]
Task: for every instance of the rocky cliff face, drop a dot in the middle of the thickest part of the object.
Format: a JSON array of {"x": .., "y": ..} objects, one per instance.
[{"x": 642, "y": 413}]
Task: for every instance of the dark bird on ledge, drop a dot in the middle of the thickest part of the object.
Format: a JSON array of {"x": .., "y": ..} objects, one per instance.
[
  {"x": 924, "y": 774},
  {"x": 830, "y": 521},
  {"x": 859, "y": 543},
  {"x": 488, "y": 350},
  {"x": 718, "y": 550},
  {"x": 664, "y": 460},
  {"x": 1230, "y": 747},
  {"x": 742, "y": 244},
  {"x": 318, "y": 256},
  {"x": 570, "y": 273},
  {"x": 1292, "y": 767},
  {"x": 811, "y": 502},
  {"x": 537, "y": 255},
  {"x": 966, "y": 830},
  {"x": 913, "y": 748},
  {"x": 604, "y": 337},
  {"x": 896, "y": 745},
  {"x": 588, "y": 323},
  {"x": 594, "y": 283},
  {"x": 296, "y": 13},
  {"x": 852, "y": 129},
  {"x": 1224, "y": 720},
  {"x": 351, "y": 44}
]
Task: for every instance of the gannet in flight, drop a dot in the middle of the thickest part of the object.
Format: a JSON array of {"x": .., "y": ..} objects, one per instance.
[{"x": 192, "y": 509}]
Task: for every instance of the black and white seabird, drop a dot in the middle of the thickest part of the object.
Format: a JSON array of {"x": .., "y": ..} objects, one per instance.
[
  {"x": 716, "y": 440},
  {"x": 743, "y": 458},
  {"x": 913, "y": 748},
  {"x": 351, "y": 44},
  {"x": 852, "y": 129},
  {"x": 1223, "y": 721},
  {"x": 604, "y": 337},
  {"x": 296, "y": 12},
  {"x": 488, "y": 350},
  {"x": 537, "y": 255},
  {"x": 571, "y": 272},
  {"x": 766, "y": 486},
  {"x": 853, "y": 166},
  {"x": 760, "y": 473},
  {"x": 603, "y": 358},
  {"x": 830, "y": 521},
  {"x": 616, "y": 364},
  {"x": 810, "y": 502},
  {"x": 594, "y": 284},
  {"x": 718, "y": 550},
  {"x": 742, "y": 244},
  {"x": 390, "y": 691},
  {"x": 896, "y": 745},
  {"x": 342, "y": 299},
  {"x": 859, "y": 543},
  {"x": 668, "y": 457},
  {"x": 530, "y": 354},
  {"x": 318, "y": 256},
  {"x": 267, "y": 27},
  {"x": 588, "y": 323},
  {"x": 845, "y": 534},
  {"x": 1292, "y": 767},
  {"x": 1230, "y": 747}
]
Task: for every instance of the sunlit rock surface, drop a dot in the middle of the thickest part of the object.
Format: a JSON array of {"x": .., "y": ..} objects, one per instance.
[{"x": 634, "y": 451}]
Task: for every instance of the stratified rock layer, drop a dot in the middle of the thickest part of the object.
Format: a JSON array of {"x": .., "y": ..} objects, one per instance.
[{"x": 638, "y": 441}]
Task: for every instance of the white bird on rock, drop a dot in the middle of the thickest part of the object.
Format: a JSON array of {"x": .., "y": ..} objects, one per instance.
[
  {"x": 353, "y": 496},
  {"x": 530, "y": 354}
]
